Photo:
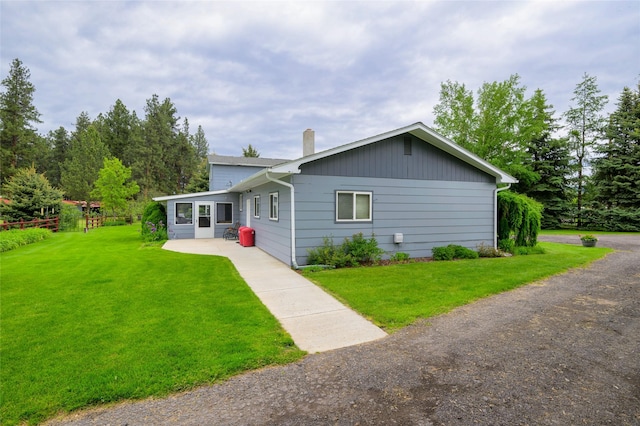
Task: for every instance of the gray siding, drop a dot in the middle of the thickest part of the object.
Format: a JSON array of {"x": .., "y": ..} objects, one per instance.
[
  {"x": 387, "y": 159},
  {"x": 428, "y": 213},
  {"x": 222, "y": 177},
  {"x": 185, "y": 231},
  {"x": 274, "y": 237}
]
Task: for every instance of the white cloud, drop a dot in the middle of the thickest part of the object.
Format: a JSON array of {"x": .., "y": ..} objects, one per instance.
[{"x": 262, "y": 72}]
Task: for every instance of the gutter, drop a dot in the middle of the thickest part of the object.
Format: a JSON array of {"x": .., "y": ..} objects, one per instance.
[
  {"x": 495, "y": 213},
  {"x": 294, "y": 263}
]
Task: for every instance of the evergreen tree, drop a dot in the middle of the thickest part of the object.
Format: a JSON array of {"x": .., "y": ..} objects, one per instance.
[
  {"x": 152, "y": 165},
  {"x": 548, "y": 158},
  {"x": 200, "y": 144},
  {"x": 118, "y": 130},
  {"x": 59, "y": 141},
  {"x": 586, "y": 125},
  {"x": 185, "y": 160},
  {"x": 31, "y": 195},
  {"x": 250, "y": 152},
  {"x": 200, "y": 180},
  {"x": 616, "y": 177},
  {"x": 83, "y": 121},
  {"x": 81, "y": 169},
  {"x": 18, "y": 138}
]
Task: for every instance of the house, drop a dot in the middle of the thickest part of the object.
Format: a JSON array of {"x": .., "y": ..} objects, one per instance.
[{"x": 411, "y": 187}]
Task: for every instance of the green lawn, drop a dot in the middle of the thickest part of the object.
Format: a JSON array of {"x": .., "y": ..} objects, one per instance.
[
  {"x": 95, "y": 318},
  {"x": 583, "y": 232},
  {"x": 395, "y": 296}
]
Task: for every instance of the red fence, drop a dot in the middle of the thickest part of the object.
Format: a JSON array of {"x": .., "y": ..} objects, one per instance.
[{"x": 35, "y": 223}]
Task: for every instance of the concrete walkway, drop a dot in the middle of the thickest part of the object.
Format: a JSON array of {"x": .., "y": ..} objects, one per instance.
[{"x": 316, "y": 321}]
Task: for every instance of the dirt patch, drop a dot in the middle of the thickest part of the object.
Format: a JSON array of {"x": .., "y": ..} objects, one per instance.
[{"x": 562, "y": 351}]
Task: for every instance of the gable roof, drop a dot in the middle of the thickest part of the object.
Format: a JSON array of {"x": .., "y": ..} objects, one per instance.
[
  {"x": 419, "y": 130},
  {"x": 244, "y": 161}
]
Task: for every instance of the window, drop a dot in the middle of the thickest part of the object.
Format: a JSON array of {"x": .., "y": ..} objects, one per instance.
[
  {"x": 256, "y": 206},
  {"x": 224, "y": 213},
  {"x": 184, "y": 214},
  {"x": 273, "y": 206},
  {"x": 353, "y": 206}
]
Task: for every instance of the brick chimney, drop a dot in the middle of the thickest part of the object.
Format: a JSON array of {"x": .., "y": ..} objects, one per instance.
[{"x": 308, "y": 142}]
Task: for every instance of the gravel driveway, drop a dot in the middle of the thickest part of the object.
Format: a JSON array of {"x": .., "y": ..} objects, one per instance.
[{"x": 561, "y": 351}]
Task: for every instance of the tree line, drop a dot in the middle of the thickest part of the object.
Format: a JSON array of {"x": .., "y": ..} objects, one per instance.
[
  {"x": 158, "y": 150},
  {"x": 585, "y": 172}
]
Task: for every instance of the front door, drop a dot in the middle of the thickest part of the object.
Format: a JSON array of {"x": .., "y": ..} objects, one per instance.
[{"x": 204, "y": 220}]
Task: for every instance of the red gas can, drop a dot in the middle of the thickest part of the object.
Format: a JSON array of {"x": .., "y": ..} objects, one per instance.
[{"x": 247, "y": 236}]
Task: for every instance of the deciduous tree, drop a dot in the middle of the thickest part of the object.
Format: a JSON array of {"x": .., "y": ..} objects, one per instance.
[
  {"x": 497, "y": 126},
  {"x": 585, "y": 123},
  {"x": 113, "y": 187}
]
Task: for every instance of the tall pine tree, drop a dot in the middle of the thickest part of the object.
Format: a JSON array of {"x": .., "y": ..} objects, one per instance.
[
  {"x": 616, "y": 177},
  {"x": 82, "y": 167},
  {"x": 18, "y": 138},
  {"x": 118, "y": 131}
]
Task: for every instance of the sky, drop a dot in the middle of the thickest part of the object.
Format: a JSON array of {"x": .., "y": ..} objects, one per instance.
[{"x": 262, "y": 72}]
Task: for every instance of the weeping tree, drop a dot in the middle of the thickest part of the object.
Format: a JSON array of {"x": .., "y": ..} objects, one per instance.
[{"x": 518, "y": 220}]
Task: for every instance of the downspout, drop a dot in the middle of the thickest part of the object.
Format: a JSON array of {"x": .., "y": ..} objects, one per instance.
[
  {"x": 495, "y": 213},
  {"x": 294, "y": 263}
]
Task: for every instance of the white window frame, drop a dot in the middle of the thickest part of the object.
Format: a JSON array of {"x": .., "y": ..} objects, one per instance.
[
  {"x": 190, "y": 223},
  {"x": 353, "y": 213},
  {"x": 218, "y": 219},
  {"x": 256, "y": 207},
  {"x": 273, "y": 206}
]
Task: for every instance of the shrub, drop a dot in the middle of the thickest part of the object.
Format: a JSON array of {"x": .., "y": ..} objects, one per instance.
[
  {"x": 399, "y": 257},
  {"x": 15, "y": 238},
  {"x": 155, "y": 232},
  {"x": 156, "y": 215},
  {"x": 487, "y": 251},
  {"x": 453, "y": 251},
  {"x": 354, "y": 252},
  {"x": 442, "y": 253},
  {"x": 363, "y": 250},
  {"x": 70, "y": 218},
  {"x": 507, "y": 245}
]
